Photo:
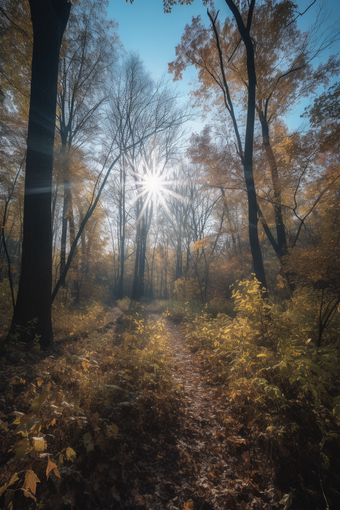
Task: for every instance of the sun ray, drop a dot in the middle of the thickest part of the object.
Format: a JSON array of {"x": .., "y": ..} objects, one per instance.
[{"x": 152, "y": 186}]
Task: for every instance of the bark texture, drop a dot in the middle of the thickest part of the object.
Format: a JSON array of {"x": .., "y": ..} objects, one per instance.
[{"x": 49, "y": 19}]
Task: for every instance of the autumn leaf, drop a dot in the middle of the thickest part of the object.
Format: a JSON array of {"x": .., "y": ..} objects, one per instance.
[
  {"x": 30, "y": 484},
  {"x": 50, "y": 423},
  {"x": 189, "y": 505},
  {"x": 70, "y": 454},
  {"x": 39, "y": 444},
  {"x": 14, "y": 479},
  {"x": 51, "y": 466}
]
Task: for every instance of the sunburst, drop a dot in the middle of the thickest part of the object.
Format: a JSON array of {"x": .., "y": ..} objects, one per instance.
[{"x": 153, "y": 187}]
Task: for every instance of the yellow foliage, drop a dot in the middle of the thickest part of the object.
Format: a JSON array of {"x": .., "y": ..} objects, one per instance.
[
  {"x": 52, "y": 467},
  {"x": 30, "y": 484}
]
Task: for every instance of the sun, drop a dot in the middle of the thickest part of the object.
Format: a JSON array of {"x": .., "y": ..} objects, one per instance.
[
  {"x": 153, "y": 183},
  {"x": 153, "y": 187}
]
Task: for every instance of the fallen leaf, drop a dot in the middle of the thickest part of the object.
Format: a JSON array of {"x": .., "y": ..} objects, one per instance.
[
  {"x": 30, "y": 484},
  {"x": 51, "y": 466},
  {"x": 189, "y": 505},
  {"x": 70, "y": 454}
]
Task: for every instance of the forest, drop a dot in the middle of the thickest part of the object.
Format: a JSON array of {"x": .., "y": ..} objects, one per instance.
[{"x": 170, "y": 297}]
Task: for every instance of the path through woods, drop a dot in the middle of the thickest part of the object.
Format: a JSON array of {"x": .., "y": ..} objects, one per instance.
[
  {"x": 117, "y": 431},
  {"x": 205, "y": 468}
]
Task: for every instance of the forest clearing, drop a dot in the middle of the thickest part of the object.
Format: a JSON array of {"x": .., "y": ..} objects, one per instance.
[{"x": 169, "y": 260}]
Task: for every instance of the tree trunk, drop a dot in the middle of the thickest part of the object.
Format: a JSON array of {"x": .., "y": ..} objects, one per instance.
[
  {"x": 179, "y": 260},
  {"x": 280, "y": 228},
  {"x": 49, "y": 18},
  {"x": 143, "y": 227},
  {"x": 122, "y": 221},
  {"x": 68, "y": 218},
  {"x": 151, "y": 293},
  {"x": 166, "y": 291},
  {"x": 249, "y": 141}
]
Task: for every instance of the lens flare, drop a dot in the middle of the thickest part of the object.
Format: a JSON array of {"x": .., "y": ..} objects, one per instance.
[{"x": 153, "y": 188}]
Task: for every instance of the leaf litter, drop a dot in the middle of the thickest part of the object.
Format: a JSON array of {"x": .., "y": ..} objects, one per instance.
[{"x": 116, "y": 420}]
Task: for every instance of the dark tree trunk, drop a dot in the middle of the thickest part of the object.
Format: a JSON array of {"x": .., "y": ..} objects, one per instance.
[
  {"x": 280, "y": 228},
  {"x": 179, "y": 271},
  {"x": 249, "y": 141},
  {"x": 49, "y": 18},
  {"x": 151, "y": 292},
  {"x": 166, "y": 291},
  {"x": 68, "y": 218},
  {"x": 135, "y": 295},
  {"x": 141, "y": 240},
  {"x": 122, "y": 222}
]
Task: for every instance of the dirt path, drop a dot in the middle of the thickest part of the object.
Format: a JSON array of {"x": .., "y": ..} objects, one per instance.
[
  {"x": 209, "y": 458},
  {"x": 199, "y": 461}
]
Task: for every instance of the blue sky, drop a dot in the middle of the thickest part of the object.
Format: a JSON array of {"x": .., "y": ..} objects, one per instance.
[{"x": 146, "y": 29}]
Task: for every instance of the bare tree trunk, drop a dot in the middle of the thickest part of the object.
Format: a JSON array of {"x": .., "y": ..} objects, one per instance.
[
  {"x": 247, "y": 154},
  {"x": 141, "y": 240},
  {"x": 151, "y": 287},
  {"x": 166, "y": 292}
]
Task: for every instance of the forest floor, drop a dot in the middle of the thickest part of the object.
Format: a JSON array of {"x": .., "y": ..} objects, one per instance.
[
  {"x": 216, "y": 471},
  {"x": 101, "y": 427}
]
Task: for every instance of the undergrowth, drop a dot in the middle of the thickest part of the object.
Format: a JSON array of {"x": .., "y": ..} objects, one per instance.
[
  {"x": 70, "y": 423},
  {"x": 77, "y": 321},
  {"x": 283, "y": 391}
]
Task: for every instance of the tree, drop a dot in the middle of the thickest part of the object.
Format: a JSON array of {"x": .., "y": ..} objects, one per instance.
[
  {"x": 246, "y": 152},
  {"x": 131, "y": 97},
  {"x": 88, "y": 55},
  {"x": 15, "y": 57},
  {"x": 49, "y": 19},
  {"x": 324, "y": 113},
  {"x": 15, "y": 54},
  {"x": 284, "y": 73},
  {"x": 144, "y": 122}
]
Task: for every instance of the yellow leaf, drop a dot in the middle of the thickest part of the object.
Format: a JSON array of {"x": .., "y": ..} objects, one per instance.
[
  {"x": 30, "y": 484},
  {"x": 50, "y": 423},
  {"x": 51, "y": 466},
  {"x": 70, "y": 454},
  {"x": 18, "y": 417},
  {"x": 39, "y": 444},
  {"x": 13, "y": 479},
  {"x": 189, "y": 505}
]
